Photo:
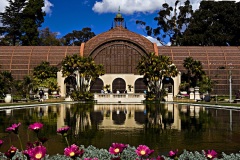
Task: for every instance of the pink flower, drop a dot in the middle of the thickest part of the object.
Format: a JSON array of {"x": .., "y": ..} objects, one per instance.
[
  {"x": 211, "y": 154},
  {"x": 13, "y": 128},
  {"x": 1, "y": 142},
  {"x": 11, "y": 152},
  {"x": 73, "y": 151},
  {"x": 30, "y": 152},
  {"x": 143, "y": 150},
  {"x": 173, "y": 154},
  {"x": 37, "y": 152},
  {"x": 63, "y": 130},
  {"x": 35, "y": 126},
  {"x": 117, "y": 148}
]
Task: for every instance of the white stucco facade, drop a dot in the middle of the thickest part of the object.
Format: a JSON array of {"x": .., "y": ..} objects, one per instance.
[{"x": 129, "y": 79}]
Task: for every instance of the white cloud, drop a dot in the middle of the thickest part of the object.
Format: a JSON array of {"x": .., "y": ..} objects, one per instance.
[
  {"x": 133, "y": 6},
  {"x": 153, "y": 40},
  {"x": 3, "y": 4},
  {"x": 46, "y": 8}
]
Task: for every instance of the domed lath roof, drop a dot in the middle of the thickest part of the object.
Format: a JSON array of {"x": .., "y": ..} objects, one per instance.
[{"x": 119, "y": 34}]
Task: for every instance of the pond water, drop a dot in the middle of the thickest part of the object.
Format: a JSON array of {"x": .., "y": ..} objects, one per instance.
[{"x": 162, "y": 127}]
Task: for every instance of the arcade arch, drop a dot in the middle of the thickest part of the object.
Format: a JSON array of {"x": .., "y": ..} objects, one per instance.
[
  {"x": 139, "y": 86},
  {"x": 96, "y": 86},
  {"x": 118, "y": 84},
  {"x": 168, "y": 84}
]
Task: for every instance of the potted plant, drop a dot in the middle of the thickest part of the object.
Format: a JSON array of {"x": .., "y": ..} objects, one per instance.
[
  {"x": 130, "y": 87},
  {"x": 6, "y": 81},
  {"x": 107, "y": 88}
]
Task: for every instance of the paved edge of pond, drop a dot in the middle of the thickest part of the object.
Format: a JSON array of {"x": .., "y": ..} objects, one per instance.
[
  {"x": 16, "y": 106},
  {"x": 207, "y": 105}
]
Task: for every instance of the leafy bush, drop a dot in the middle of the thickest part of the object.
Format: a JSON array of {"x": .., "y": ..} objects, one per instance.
[{"x": 82, "y": 96}]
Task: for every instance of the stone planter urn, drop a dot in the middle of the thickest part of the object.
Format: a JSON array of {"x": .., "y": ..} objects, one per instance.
[{"x": 8, "y": 98}]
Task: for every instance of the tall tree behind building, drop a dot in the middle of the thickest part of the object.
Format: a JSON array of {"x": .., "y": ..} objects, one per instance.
[
  {"x": 171, "y": 22},
  {"x": 21, "y": 20},
  {"x": 11, "y": 20},
  {"x": 48, "y": 38},
  {"x": 214, "y": 24},
  {"x": 77, "y": 37},
  {"x": 33, "y": 17}
]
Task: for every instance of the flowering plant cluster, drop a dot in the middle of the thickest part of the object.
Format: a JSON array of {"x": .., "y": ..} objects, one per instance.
[{"x": 117, "y": 151}]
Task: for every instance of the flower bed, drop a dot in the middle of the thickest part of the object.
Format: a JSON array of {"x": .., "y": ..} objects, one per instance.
[{"x": 117, "y": 151}]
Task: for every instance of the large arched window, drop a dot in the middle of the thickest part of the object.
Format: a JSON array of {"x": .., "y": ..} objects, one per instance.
[
  {"x": 139, "y": 86},
  {"x": 118, "y": 57},
  {"x": 118, "y": 84},
  {"x": 96, "y": 86}
]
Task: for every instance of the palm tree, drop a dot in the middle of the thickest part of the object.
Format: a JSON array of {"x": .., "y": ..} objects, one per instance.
[
  {"x": 84, "y": 69},
  {"x": 194, "y": 71},
  {"x": 155, "y": 69},
  {"x": 188, "y": 64}
]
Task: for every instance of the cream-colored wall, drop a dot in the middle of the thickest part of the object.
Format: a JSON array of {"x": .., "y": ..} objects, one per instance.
[
  {"x": 60, "y": 81},
  {"x": 109, "y": 78},
  {"x": 128, "y": 78}
]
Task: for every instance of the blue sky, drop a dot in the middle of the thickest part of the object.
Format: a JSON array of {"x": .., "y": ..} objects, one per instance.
[
  {"x": 77, "y": 14},
  {"x": 64, "y": 16}
]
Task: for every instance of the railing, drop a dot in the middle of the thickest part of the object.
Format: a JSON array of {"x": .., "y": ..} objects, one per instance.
[{"x": 119, "y": 98}]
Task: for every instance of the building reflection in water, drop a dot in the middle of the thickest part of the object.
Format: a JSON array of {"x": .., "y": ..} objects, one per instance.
[
  {"x": 121, "y": 116},
  {"x": 99, "y": 124}
]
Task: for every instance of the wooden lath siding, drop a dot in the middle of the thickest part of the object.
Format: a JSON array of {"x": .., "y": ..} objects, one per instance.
[
  {"x": 21, "y": 60},
  {"x": 212, "y": 57}
]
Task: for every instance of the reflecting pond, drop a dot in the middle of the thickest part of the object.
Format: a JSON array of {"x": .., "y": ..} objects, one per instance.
[{"x": 162, "y": 127}]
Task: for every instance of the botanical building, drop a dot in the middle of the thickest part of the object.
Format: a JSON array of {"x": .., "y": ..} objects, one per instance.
[{"x": 120, "y": 50}]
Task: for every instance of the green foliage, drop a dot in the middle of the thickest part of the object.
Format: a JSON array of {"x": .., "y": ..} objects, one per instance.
[
  {"x": 48, "y": 38},
  {"x": 155, "y": 69},
  {"x": 44, "y": 71},
  {"x": 170, "y": 22},
  {"x": 214, "y": 24},
  {"x": 195, "y": 76},
  {"x": 206, "y": 84},
  {"x": 51, "y": 84},
  {"x": 6, "y": 83},
  {"x": 45, "y": 75},
  {"x": 195, "y": 73},
  {"x": 77, "y": 37},
  {"x": 83, "y": 69},
  {"x": 33, "y": 17},
  {"x": 21, "y": 20},
  {"x": 127, "y": 154},
  {"x": 82, "y": 96},
  {"x": 11, "y": 20}
]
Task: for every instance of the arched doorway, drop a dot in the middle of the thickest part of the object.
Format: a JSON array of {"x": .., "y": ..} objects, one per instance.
[
  {"x": 139, "y": 86},
  {"x": 168, "y": 84},
  {"x": 118, "y": 84},
  {"x": 96, "y": 86}
]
